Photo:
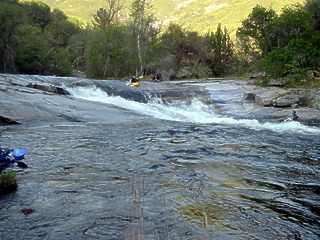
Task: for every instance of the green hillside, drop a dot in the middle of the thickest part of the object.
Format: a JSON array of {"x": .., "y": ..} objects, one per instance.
[{"x": 197, "y": 15}]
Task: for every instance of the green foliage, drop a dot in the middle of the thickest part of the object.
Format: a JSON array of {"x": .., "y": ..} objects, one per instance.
[
  {"x": 253, "y": 32},
  {"x": 184, "y": 47},
  {"x": 30, "y": 50},
  {"x": 143, "y": 31},
  {"x": 108, "y": 15},
  {"x": 219, "y": 51},
  {"x": 288, "y": 43},
  {"x": 8, "y": 182},
  {"x": 10, "y": 18},
  {"x": 35, "y": 39},
  {"x": 37, "y": 12},
  {"x": 294, "y": 22},
  {"x": 313, "y": 7},
  {"x": 106, "y": 53}
]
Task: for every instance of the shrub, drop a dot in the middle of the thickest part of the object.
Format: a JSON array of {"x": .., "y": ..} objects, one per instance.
[{"x": 8, "y": 183}]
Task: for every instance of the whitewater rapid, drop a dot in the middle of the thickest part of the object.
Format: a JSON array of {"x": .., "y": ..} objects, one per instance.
[{"x": 196, "y": 112}]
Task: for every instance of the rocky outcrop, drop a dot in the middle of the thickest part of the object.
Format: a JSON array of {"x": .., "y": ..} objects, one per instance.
[
  {"x": 265, "y": 97},
  {"x": 281, "y": 98},
  {"x": 312, "y": 96}
]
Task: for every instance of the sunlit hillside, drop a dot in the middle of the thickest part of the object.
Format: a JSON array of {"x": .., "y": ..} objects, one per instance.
[{"x": 197, "y": 15}]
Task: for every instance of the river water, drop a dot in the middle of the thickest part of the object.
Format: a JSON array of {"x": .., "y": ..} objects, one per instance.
[{"x": 187, "y": 163}]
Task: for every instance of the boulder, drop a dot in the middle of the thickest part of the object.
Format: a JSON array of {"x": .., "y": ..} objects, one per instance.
[
  {"x": 257, "y": 75},
  {"x": 313, "y": 73},
  {"x": 277, "y": 82},
  {"x": 264, "y": 97},
  {"x": 290, "y": 101}
]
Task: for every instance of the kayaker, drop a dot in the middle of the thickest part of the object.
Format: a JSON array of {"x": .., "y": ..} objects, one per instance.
[
  {"x": 4, "y": 156},
  {"x": 295, "y": 117},
  {"x": 134, "y": 80}
]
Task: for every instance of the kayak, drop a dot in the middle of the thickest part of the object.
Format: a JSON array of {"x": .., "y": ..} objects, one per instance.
[
  {"x": 6, "y": 154},
  {"x": 18, "y": 154},
  {"x": 136, "y": 84}
]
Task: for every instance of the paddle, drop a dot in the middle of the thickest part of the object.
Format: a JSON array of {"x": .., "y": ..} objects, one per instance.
[{"x": 21, "y": 164}]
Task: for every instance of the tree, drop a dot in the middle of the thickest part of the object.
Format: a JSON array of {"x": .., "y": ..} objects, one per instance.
[
  {"x": 10, "y": 18},
  {"x": 174, "y": 40},
  {"x": 106, "y": 52},
  {"x": 253, "y": 32},
  {"x": 219, "y": 52},
  {"x": 294, "y": 41},
  {"x": 58, "y": 35},
  {"x": 185, "y": 48},
  {"x": 37, "y": 13},
  {"x": 143, "y": 30},
  {"x": 107, "y": 16},
  {"x": 294, "y": 22},
  {"x": 313, "y": 6},
  {"x": 30, "y": 49}
]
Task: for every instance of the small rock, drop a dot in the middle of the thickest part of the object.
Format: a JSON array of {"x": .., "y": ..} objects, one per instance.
[{"x": 27, "y": 211}]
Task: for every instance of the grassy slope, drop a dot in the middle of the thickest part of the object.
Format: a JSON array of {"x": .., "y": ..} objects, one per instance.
[{"x": 196, "y": 15}]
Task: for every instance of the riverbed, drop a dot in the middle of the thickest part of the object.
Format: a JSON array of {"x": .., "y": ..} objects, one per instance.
[{"x": 106, "y": 164}]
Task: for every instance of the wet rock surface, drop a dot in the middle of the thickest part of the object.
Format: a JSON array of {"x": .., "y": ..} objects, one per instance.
[{"x": 25, "y": 102}]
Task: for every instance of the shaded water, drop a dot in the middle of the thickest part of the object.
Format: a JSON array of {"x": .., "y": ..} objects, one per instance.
[{"x": 172, "y": 171}]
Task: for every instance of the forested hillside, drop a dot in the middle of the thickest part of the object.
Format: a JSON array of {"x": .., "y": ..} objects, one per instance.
[
  {"x": 38, "y": 39},
  {"x": 195, "y": 15}
]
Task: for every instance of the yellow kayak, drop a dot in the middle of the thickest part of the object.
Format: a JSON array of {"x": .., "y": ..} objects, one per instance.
[{"x": 133, "y": 84}]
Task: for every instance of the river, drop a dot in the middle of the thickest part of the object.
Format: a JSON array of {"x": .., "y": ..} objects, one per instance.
[{"x": 161, "y": 161}]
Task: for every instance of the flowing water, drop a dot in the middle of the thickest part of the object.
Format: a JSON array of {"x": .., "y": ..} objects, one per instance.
[{"x": 186, "y": 163}]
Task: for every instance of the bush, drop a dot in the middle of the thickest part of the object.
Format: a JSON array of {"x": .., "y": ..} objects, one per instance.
[{"x": 8, "y": 183}]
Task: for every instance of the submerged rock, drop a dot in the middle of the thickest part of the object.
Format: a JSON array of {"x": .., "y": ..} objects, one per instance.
[{"x": 27, "y": 211}]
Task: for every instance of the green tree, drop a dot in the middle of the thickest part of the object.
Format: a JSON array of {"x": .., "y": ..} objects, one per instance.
[
  {"x": 313, "y": 6},
  {"x": 219, "y": 52},
  {"x": 106, "y": 52},
  {"x": 253, "y": 34},
  {"x": 59, "y": 34},
  {"x": 185, "y": 51},
  {"x": 143, "y": 31},
  {"x": 108, "y": 15},
  {"x": 30, "y": 49},
  {"x": 294, "y": 42},
  {"x": 37, "y": 13},
  {"x": 294, "y": 22},
  {"x": 10, "y": 18},
  {"x": 184, "y": 46},
  {"x": 287, "y": 44}
]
